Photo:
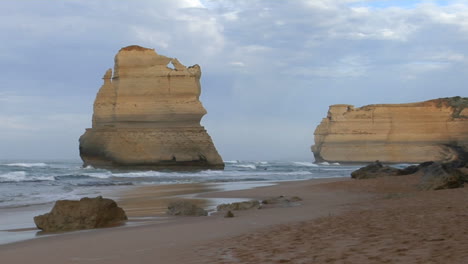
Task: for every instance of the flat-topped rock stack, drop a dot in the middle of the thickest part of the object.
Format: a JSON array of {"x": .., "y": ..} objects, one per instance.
[
  {"x": 147, "y": 115},
  {"x": 435, "y": 130}
]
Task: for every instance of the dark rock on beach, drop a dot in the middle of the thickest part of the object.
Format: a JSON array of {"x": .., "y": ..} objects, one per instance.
[
  {"x": 229, "y": 214},
  {"x": 238, "y": 206},
  {"x": 87, "y": 213},
  {"x": 185, "y": 208},
  {"x": 282, "y": 200},
  {"x": 433, "y": 175},
  {"x": 437, "y": 176},
  {"x": 278, "y": 201},
  {"x": 375, "y": 170}
]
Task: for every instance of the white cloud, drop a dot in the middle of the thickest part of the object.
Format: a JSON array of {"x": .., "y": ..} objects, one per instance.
[
  {"x": 175, "y": 24},
  {"x": 237, "y": 63},
  {"x": 191, "y": 4},
  {"x": 447, "y": 56},
  {"x": 15, "y": 123},
  {"x": 231, "y": 16},
  {"x": 414, "y": 70},
  {"x": 351, "y": 66},
  {"x": 454, "y": 14},
  {"x": 152, "y": 38},
  {"x": 288, "y": 53}
]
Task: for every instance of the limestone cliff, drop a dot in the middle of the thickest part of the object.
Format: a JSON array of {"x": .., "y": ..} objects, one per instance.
[
  {"x": 147, "y": 114},
  {"x": 434, "y": 130}
]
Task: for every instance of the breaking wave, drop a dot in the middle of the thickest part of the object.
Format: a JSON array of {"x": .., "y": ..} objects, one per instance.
[
  {"x": 26, "y": 165},
  {"x": 46, "y": 182},
  {"x": 305, "y": 164},
  {"x": 22, "y": 176},
  {"x": 249, "y": 166}
]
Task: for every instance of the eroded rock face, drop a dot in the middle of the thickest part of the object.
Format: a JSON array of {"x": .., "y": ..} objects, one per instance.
[
  {"x": 86, "y": 213},
  {"x": 147, "y": 115},
  {"x": 394, "y": 133}
]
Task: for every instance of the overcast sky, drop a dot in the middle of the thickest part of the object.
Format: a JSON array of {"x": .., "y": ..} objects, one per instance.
[{"x": 270, "y": 68}]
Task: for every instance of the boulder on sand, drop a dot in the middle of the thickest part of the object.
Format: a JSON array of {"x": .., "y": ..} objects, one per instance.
[
  {"x": 87, "y": 213},
  {"x": 238, "y": 206},
  {"x": 375, "y": 170},
  {"x": 433, "y": 175},
  {"x": 281, "y": 201},
  {"x": 185, "y": 208},
  {"x": 438, "y": 176}
]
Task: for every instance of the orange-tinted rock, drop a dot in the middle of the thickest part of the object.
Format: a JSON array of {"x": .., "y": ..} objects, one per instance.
[
  {"x": 147, "y": 115},
  {"x": 433, "y": 130}
]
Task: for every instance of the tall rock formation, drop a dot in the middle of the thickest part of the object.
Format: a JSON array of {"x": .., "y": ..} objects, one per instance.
[
  {"x": 435, "y": 130},
  {"x": 147, "y": 115}
]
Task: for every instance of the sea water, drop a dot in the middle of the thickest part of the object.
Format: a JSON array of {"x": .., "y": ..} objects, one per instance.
[
  {"x": 33, "y": 183},
  {"x": 29, "y": 188}
]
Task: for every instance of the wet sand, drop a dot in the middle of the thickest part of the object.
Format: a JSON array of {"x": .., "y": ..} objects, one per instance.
[
  {"x": 339, "y": 221},
  {"x": 152, "y": 201}
]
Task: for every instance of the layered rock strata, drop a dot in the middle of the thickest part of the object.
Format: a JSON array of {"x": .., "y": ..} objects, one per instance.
[
  {"x": 147, "y": 115},
  {"x": 435, "y": 130}
]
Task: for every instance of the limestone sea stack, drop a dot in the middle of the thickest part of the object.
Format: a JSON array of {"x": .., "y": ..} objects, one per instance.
[
  {"x": 147, "y": 115},
  {"x": 435, "y": 130}
]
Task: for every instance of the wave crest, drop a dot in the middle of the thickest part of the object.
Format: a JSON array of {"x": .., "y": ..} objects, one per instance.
[
  {"x": 26, "y": 165},
  {"x": 22, "y": 176},
  {"x": 305, "y": 164},
  {"x": 248, "y": 166}
]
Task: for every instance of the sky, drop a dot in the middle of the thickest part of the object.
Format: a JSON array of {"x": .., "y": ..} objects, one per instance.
[{"x": 270, "y": 68}]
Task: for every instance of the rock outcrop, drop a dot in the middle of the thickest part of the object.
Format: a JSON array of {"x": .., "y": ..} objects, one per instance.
[
  {"x": 185, "y": 208},
  {"x": 434, "y": 130},
  {"x": 439, "y": 176},
  {"x": 281, "y": 201},
  {"x": 147, "y": 115},
  {"x": 238, "y": 206},
  {"x": 374, "y": 170},
  {"x": 86, "y": 213},
  {"x": 432, "y": 175}
]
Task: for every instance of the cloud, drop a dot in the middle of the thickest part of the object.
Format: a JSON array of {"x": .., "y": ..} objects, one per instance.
[
  {"x": 238, "y": 64},
  {"x": 259, "y": 58},
  {"x": 351, "y": 66},
  {"x": 152, "y": 37},
  {"x": 170, "y": 24},
  {"x": 15, "y": 123},
  {"x": 455, "y": 14}
]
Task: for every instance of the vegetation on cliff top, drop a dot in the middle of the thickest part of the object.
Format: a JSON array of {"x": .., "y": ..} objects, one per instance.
[{"x": 457, "y": 103}]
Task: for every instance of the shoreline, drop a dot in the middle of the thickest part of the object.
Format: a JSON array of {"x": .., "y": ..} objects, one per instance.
[
  {"x": 142, "y": 204},
  {"x": 167, "y": 234},
  {"x": 339, "y": 220}
]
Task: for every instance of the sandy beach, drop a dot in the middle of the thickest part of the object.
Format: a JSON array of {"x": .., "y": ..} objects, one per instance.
[{"x": 340, "y": 220}]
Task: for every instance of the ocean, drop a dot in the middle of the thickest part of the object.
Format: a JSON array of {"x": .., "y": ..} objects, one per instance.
[
  {"x": 30, "y": 188},
  {"x": 25, "y": 183}
]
